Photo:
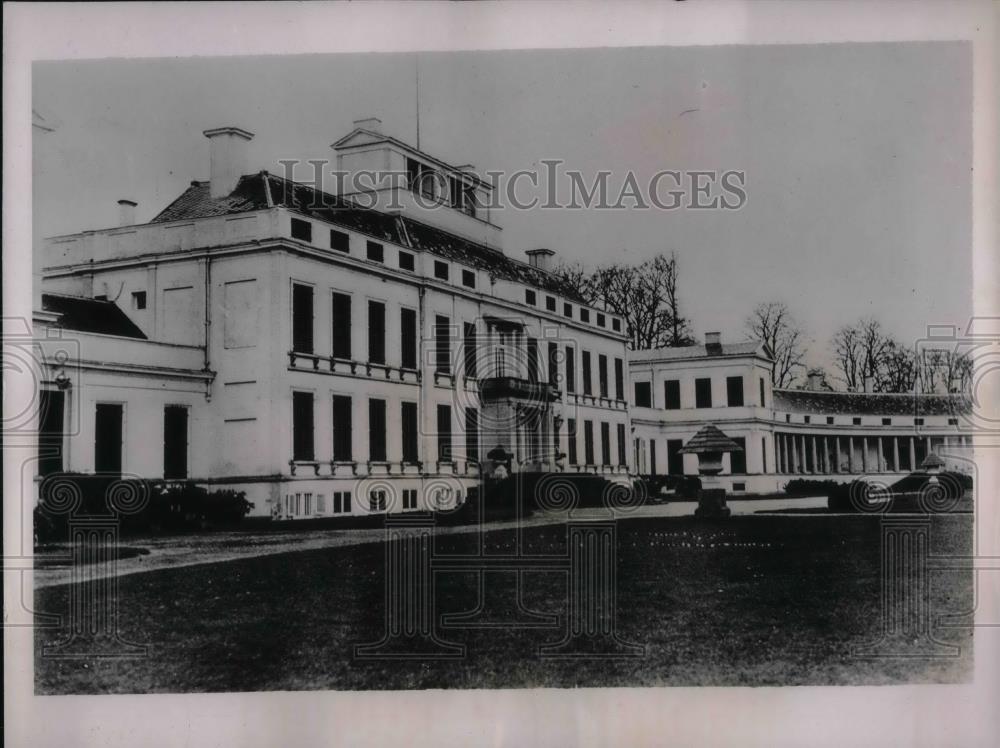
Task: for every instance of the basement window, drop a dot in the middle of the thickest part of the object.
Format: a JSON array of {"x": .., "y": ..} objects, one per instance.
[
  {"x": 302, "y": 230},
  {"x": 138, "y": 299}
]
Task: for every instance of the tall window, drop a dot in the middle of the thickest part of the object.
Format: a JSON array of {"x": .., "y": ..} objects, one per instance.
[
  {"x": 703, "y": 393},
  {"x": 761, "y": 383},
  {"x": 738, "y": 460},
  {"x": 672, "y": 394},
  {"x": 52, "y": 406},
  {"x": 175, "y": 441},
  {"x": 622, "y": 457},
  {"x": 442, "y": 344},
  {"x": 376, "y": 430},
  {"x": 619, "y": 379},
  {"x": 734, "y": 391},
  {"x": 605, "y": 443},
  {"x": 602, "y": 374},
  {"x": 469, "y": 350},
  {"x": 643, "y": 395},
  {"x": 533, "y": 359},
  {"x": 571, "y": 440},
  {"x": 444, "y": 432},
  {"x": 587, "y": 386},
  {"x": 652, "y": 456},
  {"x": 341, "y": 325},
  {"x": 410, "y": 428},
  {"x": 302, "y": 426},
  {"x": 108, "y": 438},
  {"x": 763, "y": 453},
  {"x": 343, "y": 429},
  {"x": 570, "y": 370},
  {"x": 302, "y": 318},
  {"x": 675, "y": 460},
  {"x": 408, "y": 338},
  {"x": 554, "y": 364},
  {"x": 588, "y": 443},
  {"x": 472, "y": 435},
  {"x": 376, "y": 332}
]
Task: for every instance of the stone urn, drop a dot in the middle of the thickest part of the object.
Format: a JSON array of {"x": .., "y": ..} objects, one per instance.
[{"x": 710, "y": 444}]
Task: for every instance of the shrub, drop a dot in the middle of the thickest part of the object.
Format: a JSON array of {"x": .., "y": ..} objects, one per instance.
[
  {"x": 682, "y": 486},
  {"x": 811, "y": 487}
]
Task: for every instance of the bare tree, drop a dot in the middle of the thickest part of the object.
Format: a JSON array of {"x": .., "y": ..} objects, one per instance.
[
  {"x": 944, "y": 370},
  {"x": 898, "y": 372},
  {"x": 645, "y": 296},
  {"x": 773, "y": 325},
  {"x": 871, "y": 360}
]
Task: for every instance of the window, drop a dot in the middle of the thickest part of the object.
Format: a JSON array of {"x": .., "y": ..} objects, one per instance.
[
  {"x": 584, "y": 315},
  {"x": 408, "y": 338},
  {"x": 760, "y": 382},
  {"x": 468, "y": 279},
  {"x": 343, "y": 429},
  {"x": 421, "y": 177},
  {"x": 587, "y": 390},
  {"x": 887, "y": 422},
  {"x": 108, "y": 438},
  {"x": 600, "y": 320},
  {"x": 788, "y": 418},
  {"x": 442, "y": 344},
  {"x": 571, "y": 440},
  {"x": 377, "y": 500},
  {"x": 738, "y": 460},
  {"x": 302, "y": 426},
  {"x": 856, "y": 421},
  {"x": 341, "y": 325},
  {"x": 672, "y": 394},
  {"x": 376, "y": 332},
  {"x": 570, "y": 370},
  {"x": 444, "y": 432},
  {"x": 806, "y": 419},
  {"x": 376, "y": 430},
  {"x": 472, "y": 435},
  {"x": 440, "y": 270},
  {"x": 739, "y": 486},
  {"x": 409, "y": 498},
  {"x": 643, "y": 395},
  {"x": 605, "y": 443},
  {"x": 918, "y": 421},
  {"x": 588, "y": 442},
  {"x": 952, "y": 421},
  {"x": 675, "y": 460},
  {"x": 763, "y": 453},
  {"x": 553, "y": 364},
  {"x": 342, "y": 502},
  {"x": 622, "y": 458},
  {"x": 829, "y": 420},
  {"x": 550, "y": 303},
  {"x": 616, "y": 324},
  {"x": 703, "y": 393},
  {"x": 602, "y": 374},
  {"x": 406, "y": 261},
  {"x": 340, "y": 241},
  {"x": 533, "y": 359},
  {"x": 734, "y": 392},
  {"x": 652, "y": 456},
  {"x": 530, "y": 297},
  {"x": 469, "y": 350},
  {"x": 175, "y": 441},
  {"x": 138, "y": 299},
  {"x": 376, "y": 252},
  {"x": 302, "y": 318},
  {"x": 51, "y": 417},
  {"x": 619, "y": 379},
  {"x": 302, "y": 230},
  {"x": 410, "y": 429},
  {"x": 568, "y": 310}
]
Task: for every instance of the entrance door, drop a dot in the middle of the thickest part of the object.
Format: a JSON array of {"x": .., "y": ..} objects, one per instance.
[
  {"x": 50, "y": 432},
  {"x": 108, "y": 438}
]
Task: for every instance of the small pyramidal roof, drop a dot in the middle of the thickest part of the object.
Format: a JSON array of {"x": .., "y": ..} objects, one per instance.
[
  {"x": 710, "y": 439},
  {"x": 933, "y": 461}
]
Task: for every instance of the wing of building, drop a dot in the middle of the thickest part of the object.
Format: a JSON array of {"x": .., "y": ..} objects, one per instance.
[{"x": 323, "y": 355}]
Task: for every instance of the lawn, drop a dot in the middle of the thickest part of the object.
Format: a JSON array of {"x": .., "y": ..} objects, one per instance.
[{"x": 777, "y": 600}]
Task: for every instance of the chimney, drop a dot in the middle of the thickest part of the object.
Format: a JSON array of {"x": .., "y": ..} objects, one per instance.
[
  {"x": 815, "y": 379},
  {"x": 540, "y": 258},
  {"x": 869, "y": 384},
  {"x": 228, "y": 156},
  {"x": 370, "y": 123},
  {"x": 713, "y": 342},
  {"x": 126, "y": 212}
]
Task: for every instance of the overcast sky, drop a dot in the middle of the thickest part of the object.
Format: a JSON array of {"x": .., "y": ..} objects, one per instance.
[{"x": 857, "y": 157}]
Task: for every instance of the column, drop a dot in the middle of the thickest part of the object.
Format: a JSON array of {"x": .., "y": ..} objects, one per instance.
[
  {"x": 895, "y": 454},
  {"x": 812, "y": 444},
  {"x": 864, "y": 454},
  {"x": 913, "y": 454},
  {"x": 836, "y": 446}
]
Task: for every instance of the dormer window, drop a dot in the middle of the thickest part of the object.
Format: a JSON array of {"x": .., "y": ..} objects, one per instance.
[
  {"x": 420, "y": 177},
  {"x": 463, "y": 197}
]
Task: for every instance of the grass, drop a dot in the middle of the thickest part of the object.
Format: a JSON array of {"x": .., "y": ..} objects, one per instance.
[{"x": 751, "y": 601}]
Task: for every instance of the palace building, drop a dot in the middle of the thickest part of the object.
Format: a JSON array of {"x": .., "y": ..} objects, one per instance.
[{"x": 323, "y": 356}]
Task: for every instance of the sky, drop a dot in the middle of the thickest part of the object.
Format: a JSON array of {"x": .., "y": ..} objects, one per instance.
[{"x": 857, "y": 156}]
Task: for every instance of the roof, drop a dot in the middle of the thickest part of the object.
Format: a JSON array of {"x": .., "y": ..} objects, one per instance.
[
  {"x": 262, "y": 190},
  {"x": 679, "y": 353},
  {"x": 869, "y": 403},
  {"x": 91, "y": 315},
  {"x": 710, "y": 439}
]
